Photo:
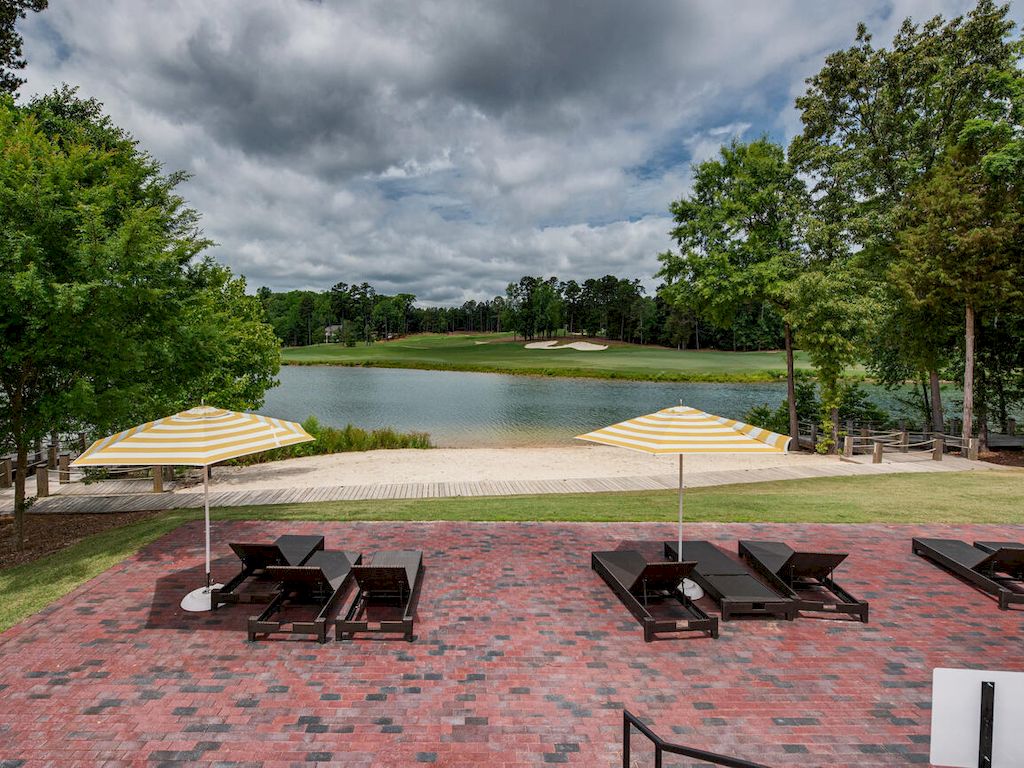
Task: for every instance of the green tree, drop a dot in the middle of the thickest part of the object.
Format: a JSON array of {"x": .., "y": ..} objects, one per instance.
[
  {"x": 306, "y": 316},
  {"x": 875, "y": 123},
  {"x": 740, "y": 240},
  {"x": 105, "y": 319},
  {"x": 828, "y": 307},
  {"x": 239, "y": 352},
  {"x": 11, "y": 42},
  {"x": 962, "y": 242}
]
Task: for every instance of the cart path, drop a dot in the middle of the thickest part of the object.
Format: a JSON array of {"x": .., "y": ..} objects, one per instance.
[{"x": 79, "y": 502}]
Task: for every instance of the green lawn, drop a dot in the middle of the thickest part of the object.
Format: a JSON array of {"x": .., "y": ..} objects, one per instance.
[
  {"x": 973, "y": 497},
  {"x": 497, "y": 353}
]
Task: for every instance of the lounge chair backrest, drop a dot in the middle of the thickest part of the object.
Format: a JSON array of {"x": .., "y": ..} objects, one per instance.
[
  {"x": 663, "y": 575},
  {"x": 810, "y": 565},
  {"x": 378, "y": 578},
  {"x": 298, "y": 548},
  {"x": 308, "y": 579},
  {"x": 1003, "y": 560},
  {"x": 258, "y": 555}
]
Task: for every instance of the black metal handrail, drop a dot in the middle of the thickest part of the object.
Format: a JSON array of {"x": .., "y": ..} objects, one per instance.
[{"x": 661, "y": 746}]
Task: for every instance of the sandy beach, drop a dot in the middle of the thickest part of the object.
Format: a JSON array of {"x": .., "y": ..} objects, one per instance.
[{"x": 487, "y": 464}]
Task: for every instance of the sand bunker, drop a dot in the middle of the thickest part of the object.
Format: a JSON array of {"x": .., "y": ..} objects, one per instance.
[{"x": 582, "y": 346}]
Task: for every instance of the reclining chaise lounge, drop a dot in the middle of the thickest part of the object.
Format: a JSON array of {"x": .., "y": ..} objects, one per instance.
[
  {"x": 316, "y": 585},
  {"x": 805, "y": 577},
  {"x": 994, "y": 567},
  {"x": 389, "y": 584},
  {"x": 639, "y": 583},
  {"x": 731, "y": 584},
  {"x": 252, "y": 584}
]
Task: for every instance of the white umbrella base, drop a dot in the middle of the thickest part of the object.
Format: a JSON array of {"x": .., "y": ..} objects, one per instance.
[
  {"x": 198, "y": 599},
  {"x": 690, "y": 588}
]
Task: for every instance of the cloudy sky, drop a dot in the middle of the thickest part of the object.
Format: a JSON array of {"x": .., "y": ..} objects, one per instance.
[{"x": 443, "y": 148}]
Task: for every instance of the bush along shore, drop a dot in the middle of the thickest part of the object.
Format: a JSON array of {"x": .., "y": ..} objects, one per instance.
[{"x": 334, "y": 440}]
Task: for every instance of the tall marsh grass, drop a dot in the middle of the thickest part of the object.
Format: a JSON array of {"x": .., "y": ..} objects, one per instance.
[{"x": 334, "y": 440}]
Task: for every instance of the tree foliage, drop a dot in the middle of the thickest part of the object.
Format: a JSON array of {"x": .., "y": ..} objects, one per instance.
[
  {"x": 108, "y": 318},
  {"x": 741, "y": 241},
  {"x": 10, "y": 41},
  {"x": 888, "y": 136}
]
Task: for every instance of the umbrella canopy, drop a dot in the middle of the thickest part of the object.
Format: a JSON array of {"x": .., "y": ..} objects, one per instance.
[
  {"x": 681, "y": 430},
  {"x": 197, "y": 437}
]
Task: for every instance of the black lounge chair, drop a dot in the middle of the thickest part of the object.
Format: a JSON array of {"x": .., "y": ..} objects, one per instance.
[
  {"x": 390, "y": 581},
  {"x": 318, "y": 584},
  {"x": 994, "y": 546},
  {"x": 251, "y": 584},
  {"x": 639, "y": 583},
  {"x": 730, "y": 583},
  {"x": 805, "y": 577},
  {"x": 996, "y": 568}
]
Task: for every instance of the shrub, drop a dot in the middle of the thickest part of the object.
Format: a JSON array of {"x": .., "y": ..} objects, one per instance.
[{"x": 333, "y": 440}]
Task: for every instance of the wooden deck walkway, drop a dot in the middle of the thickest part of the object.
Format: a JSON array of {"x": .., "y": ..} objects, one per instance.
[{"x": 99, "y": 501}]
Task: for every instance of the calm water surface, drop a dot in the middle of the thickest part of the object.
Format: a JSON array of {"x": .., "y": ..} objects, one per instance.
[{"x": 487, "y": 409}]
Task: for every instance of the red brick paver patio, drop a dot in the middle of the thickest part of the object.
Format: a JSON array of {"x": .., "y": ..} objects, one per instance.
[{"x": 523, "y": 657}]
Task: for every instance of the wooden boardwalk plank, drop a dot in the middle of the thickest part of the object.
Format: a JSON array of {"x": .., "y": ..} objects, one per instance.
[{"x": 104, "y": 496}]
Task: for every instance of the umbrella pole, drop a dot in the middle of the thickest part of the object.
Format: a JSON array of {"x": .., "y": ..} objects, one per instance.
[
  {"x": 680, "y": 549},
  {"x": 206, "y": 510}
]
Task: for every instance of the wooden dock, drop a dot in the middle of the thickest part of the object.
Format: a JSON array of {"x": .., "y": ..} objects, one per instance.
[{"x": 124, "y": 496}]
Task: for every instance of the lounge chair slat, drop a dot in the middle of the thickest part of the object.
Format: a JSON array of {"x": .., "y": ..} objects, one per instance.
[
  {"x": 638, "y": 583},
  {"x": 391, "y": 578},
  {"x": 999, "y": 572},
  {"x": 730, "y": 583},
  {"x": 805, "y": 577}
]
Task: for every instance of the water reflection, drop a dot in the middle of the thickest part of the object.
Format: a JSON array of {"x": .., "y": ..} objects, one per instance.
[{"x": 484, "y": 409}]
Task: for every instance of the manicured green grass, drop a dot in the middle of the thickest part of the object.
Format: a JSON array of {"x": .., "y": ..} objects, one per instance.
[
  {"x": 971, "y": 497},
  {"x": 500, "y": 354}
]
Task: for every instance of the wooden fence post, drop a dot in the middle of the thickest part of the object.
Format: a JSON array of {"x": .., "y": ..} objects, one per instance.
[
  {"x": 51, "y": 457},
  {"x": 876, "y": 452},
  {"x": 158, "y": 479},
  {"x": 848, "y": 445},
  {"x": 82, "y": 442},
  {"x": 937, "y": 450},
  {"x": 64, "y": 473},
  {"x": 972, "y": 449},
  {"x": 1011, "y": 426},
  {"x": 814, "y": 436},
  {"x": 5, "y": 473},
  {"x": 42, "y": 480},
  {"x": 904, "y": 441}
]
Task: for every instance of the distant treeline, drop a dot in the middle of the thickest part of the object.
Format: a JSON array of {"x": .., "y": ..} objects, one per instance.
[{"x": 534, "y": 307}]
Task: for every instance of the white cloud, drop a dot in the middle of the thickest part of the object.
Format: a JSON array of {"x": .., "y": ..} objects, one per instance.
[{"x": 443, "y": 148}]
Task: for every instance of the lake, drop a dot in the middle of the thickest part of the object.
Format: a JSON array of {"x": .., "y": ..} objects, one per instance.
[{"x": 489, "y": 409}]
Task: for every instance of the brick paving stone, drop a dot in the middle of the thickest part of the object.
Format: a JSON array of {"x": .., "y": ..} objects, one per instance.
[{"x": 522, "y": 657}]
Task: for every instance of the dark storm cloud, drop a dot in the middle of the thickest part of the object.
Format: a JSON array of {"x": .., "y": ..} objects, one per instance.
[{"x": 442, "y": 148}]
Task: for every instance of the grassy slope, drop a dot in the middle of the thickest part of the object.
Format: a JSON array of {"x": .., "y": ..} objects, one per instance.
[
  {"x": 499, "y": 354},
  {"x": 989, "y": 497}
]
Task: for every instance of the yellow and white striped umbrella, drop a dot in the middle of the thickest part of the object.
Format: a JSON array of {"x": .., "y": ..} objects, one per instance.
[
  {"x": 681, "y": 430},
  {"x": 196, "y": 437}
]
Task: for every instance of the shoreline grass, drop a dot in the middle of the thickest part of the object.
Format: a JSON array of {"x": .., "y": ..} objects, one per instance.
[
  {"x": 681, "y": 377},
  {"x": 948, "y": 498}
]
